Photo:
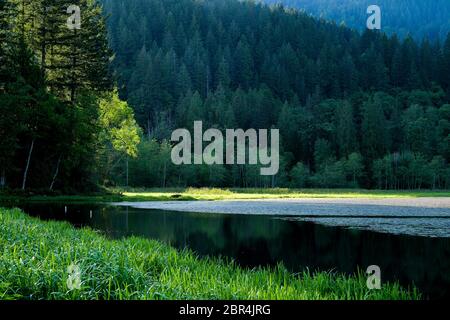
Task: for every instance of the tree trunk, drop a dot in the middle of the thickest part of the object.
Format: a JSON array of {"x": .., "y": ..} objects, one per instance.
[
  {"x": 56, "y": 173},
  {"x": 127, "y": 171},
  {"x": 149, "y": 130},
  {"x": 73, "y": 86},
  {"x": 25, "y": 174},
  {"x": 164, "y": 175},
  {"x": 3, "y": 179}
]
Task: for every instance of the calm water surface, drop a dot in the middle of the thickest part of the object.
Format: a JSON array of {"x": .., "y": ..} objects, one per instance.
[{"x": 265, "y": 240}]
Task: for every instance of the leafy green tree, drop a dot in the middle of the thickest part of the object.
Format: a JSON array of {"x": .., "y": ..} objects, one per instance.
[
  {"x": 300, "y": 175},
  {"x": 419, "y": 129},
  {"x": 345, "y": 129},
  {"x": 323, "y": 154},
  {"x": 374, "y": 136},
  {"x": 330, "y": 176},
  {"x": 243, "y": 67},
  {"x": 444, "y": 132},
  {"x": 355, "y": 168},
  {"x": 120, "y": 133},
  {"x": 195, "y": 111},
  {"x": 223, "y": 74},
  {"x": 445, "y": 64}
]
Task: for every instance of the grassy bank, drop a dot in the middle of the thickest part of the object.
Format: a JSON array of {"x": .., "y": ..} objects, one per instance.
[
  {"x": 120, "y": 194},
  {"x": 279, "y": 193},
  {"x": 35, "y": 256}
]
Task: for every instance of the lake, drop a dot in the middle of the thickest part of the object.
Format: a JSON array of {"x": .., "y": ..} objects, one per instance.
[{"x": 409, "y": 248}]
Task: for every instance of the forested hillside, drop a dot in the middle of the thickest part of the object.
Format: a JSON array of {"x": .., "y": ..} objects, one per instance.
[
  {"x": 353, "y": 109},
  {"x": 420, "y": 18}
]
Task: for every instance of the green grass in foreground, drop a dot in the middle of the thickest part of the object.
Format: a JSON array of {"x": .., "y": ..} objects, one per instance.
[
  {"x": 129, "y": 194},
  {"x": 35, "y": 256}
]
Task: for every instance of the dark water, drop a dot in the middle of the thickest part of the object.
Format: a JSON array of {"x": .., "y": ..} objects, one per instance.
[{"x": 267, "y": 240}]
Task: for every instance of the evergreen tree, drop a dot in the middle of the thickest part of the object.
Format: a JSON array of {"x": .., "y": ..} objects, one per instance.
[
  {"x": 445, "y": 64},
  {"x": 345, "y": 130},
  {"x": 374, "y": 135}
]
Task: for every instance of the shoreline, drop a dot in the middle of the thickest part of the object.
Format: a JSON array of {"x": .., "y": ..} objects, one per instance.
[
  {"x": 208, "y": 194},
  {"x": 136, "y": 268}
]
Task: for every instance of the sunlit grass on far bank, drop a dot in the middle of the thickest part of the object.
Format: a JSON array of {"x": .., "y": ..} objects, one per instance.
[
  {"x": 277, "y": 193},
  {"x": 212, "y": 194}
]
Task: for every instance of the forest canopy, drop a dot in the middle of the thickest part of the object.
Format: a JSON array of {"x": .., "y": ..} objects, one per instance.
[
  {"x": 418, "y": 18},
  {"x": 354, "y": 109},
  {"x": 52, "y": 82}
]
